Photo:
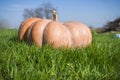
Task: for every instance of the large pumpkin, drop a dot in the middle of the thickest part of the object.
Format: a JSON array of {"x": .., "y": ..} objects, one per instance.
[{"x": 68, "y": 34}]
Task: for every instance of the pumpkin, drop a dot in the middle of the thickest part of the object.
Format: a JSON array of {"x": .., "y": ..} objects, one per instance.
[
  {"x": 24, "y": 26},
  {"x": 68, "y": 34}
]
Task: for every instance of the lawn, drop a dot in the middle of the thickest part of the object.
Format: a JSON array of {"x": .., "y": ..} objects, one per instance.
[{"x": 20, "y": 61}]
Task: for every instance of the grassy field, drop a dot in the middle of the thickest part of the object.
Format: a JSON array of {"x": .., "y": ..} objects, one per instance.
[{"x": 19, "y": 61}]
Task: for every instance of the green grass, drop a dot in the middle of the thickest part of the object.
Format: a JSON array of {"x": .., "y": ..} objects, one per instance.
[{"x": 19, "y": 61}]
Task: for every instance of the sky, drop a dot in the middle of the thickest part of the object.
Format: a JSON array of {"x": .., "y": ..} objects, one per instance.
[{"x": 95, "y": 13}]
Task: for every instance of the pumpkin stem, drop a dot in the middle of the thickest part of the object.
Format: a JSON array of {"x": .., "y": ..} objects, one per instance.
[{"x": 55, "y": 17}]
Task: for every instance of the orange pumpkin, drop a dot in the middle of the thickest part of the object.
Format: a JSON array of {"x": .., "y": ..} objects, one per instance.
[
  {"x": 68, "y": 34},
  {"x": 24, "y": 26}
]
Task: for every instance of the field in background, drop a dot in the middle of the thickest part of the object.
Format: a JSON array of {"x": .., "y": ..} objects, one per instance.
[{"x": 19, "y": 61}]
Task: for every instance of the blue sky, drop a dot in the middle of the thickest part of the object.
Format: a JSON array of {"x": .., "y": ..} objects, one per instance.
[{"x": 91, "y": 12}]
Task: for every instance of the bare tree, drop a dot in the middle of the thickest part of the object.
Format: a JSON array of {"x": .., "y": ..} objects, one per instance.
[
  {"x": 28, "y": 13},
  {"x": 39, "y": 12},
  {"x": 48, "y": 8},
  {"x": 113, "y": 25},
  {"x": 43, "y": 11}
]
